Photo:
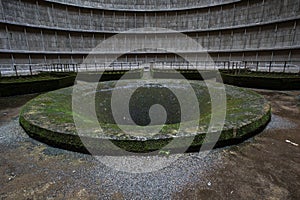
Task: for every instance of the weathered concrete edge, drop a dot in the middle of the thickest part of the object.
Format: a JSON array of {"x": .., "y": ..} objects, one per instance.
[{"x": 74, "y": 142}]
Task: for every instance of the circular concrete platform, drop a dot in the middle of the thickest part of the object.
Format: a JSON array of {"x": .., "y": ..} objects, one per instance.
[{"x": 49, "y": 117}]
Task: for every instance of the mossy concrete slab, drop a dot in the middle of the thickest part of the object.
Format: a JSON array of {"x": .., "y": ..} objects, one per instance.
[
  {"x": 49, "y": 118},
  {"x": 186, "y": 74},
  {"x": 261, "y": 80},
  {"x": 43, "y": 82},
  {"x": 48, "y": 81}
]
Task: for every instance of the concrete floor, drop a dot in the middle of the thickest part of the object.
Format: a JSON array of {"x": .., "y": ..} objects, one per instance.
[{"x": 264, "y": 167}]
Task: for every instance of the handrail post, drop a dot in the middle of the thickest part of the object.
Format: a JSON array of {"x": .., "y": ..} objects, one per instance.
[
  {"x": 30, "y": 69},
  {"x": 15, "y": 68}
]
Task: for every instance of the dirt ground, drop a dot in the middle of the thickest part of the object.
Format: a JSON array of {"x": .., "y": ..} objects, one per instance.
[{"x": 264, "y": 167}]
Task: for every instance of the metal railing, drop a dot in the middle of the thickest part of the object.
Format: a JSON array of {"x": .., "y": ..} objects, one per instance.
[
  {"x": 265, "y": 66},
  {"x": 32, "y": 69}
]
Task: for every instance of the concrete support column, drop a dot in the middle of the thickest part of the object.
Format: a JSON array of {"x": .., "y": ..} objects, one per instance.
[
  {"x": 43, "y": 41},
  {"x": 26, "y": 39},
  {"x": 9, "y": 37},
  {"x": 295, "y": 33},
  {"x": 262, "y": 11},
  {"x": 68, "y": 19},
  {"x": 259, "y": 39},
  {"x": 56, "y": 42},
  {"x": 248, "y": 11},
  {"x": 245, "y": 38},
  {"x": 234, "y": 11},
  {"x": 70, "y": 40},
  {"x": 38, "y": 11},
  {"x": 2, "y": 11},
  {"x": 276, "y": 36},
  {"x": 91, "y": 20}
]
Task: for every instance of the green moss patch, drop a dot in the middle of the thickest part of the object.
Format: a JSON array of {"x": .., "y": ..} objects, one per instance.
[{"x": 49, "y": 118}]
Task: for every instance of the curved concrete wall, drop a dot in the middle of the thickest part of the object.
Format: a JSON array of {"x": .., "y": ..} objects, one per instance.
[
  {"x": 272, "y": 36},
  {"x": 53, "y": 30},
  {"x": 144, "y": 5},
  {"x": 55, "y": 16}
]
